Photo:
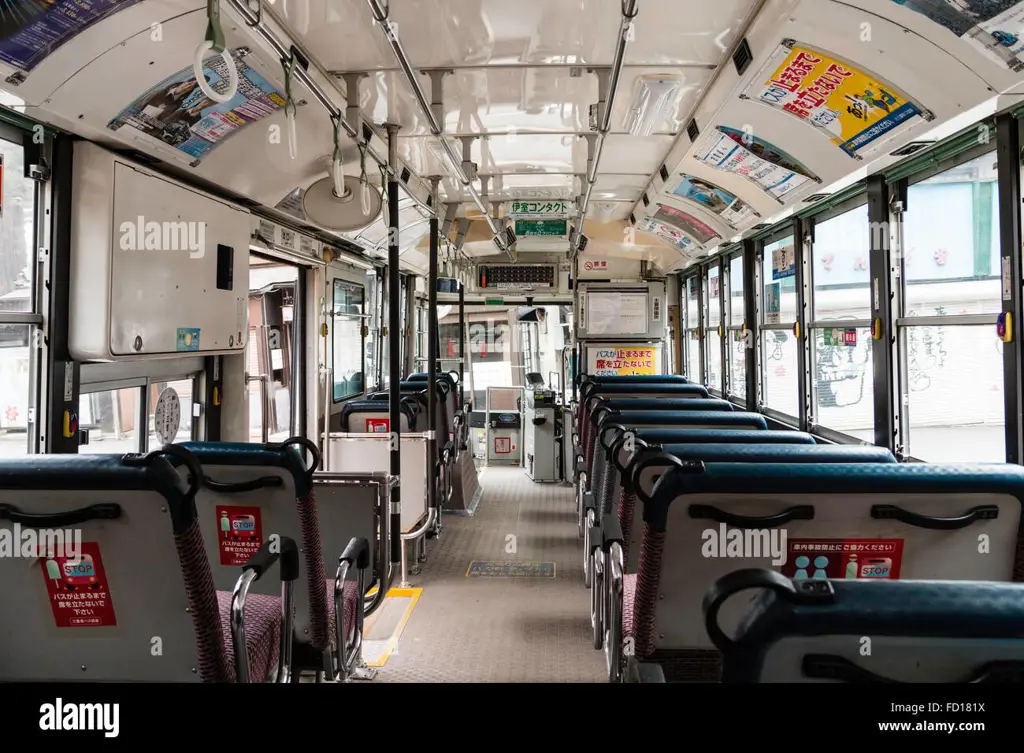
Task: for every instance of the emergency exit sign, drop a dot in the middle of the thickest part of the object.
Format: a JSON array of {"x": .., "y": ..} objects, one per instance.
[{"x": 542, "y": 227}]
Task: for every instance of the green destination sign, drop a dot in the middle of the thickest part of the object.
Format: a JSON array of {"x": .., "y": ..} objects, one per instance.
[{"x": 542, "y": 227}]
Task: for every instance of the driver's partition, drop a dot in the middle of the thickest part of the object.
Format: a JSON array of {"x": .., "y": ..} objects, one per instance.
[
  {"x": 812, "y": 521},
  {"x": 121, "y": 567},
  {"x": 920, "y": 631}
]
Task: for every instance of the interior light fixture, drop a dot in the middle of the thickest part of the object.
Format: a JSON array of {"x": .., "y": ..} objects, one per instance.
[{"x": 655, "y": 99}]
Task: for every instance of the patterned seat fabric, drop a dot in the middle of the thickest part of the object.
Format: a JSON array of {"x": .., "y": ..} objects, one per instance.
[
  {"x": 628, "y": 602},
  {"x": 210, "y": 610},
  {"x": 627, "y": 504},
  {"x": 262, "y": 630},
  {"x": 321, "y": 599},
  {"x": 350, "y": 601}
]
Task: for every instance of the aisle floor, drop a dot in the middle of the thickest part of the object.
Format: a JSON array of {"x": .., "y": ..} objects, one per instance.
[{"x": 501, "y": 629}]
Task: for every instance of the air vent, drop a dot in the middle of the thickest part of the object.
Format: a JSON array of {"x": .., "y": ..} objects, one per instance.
[
  {"x": 430, "y": 201},
  {"x": 816, "y": 197},
  {"x": 743, "y": 57},
  {"x": 692, "y": 131},
  {"x": 913, "y": 146},
  {"x": 632, "y": 219},
  {"x": 300, "y": 58},
  {"x": 664, "y": 173},
  {"x": 405, "y": 175},
  {"x": 647, "y": 202},
  {"x": 367, "y": 132}
]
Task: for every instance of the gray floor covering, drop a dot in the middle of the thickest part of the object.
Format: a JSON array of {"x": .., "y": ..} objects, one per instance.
[{"x": 501, "y": 629}]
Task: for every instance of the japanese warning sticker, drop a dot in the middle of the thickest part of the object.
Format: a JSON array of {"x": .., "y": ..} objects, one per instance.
[
  {"x": 240, "y": 535},
  {"x": 78, "y": 589}
]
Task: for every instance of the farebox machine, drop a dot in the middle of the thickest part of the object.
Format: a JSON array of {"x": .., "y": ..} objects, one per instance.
[
  {"x": 539, "y": 423},
  {"x": 504, "y": 426}
]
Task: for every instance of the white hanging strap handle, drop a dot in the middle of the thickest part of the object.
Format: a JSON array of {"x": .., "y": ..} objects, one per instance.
[
  {"x": 290, "y": 110},
  {"x": 337, "y": 163},
  {"x": 215, "y": 42},
  {"x": 365, "y": 198}
]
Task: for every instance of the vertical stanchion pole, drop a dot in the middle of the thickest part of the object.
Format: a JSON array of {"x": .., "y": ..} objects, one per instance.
[
  {"x": 394, "y": 364},
  {"x": 462, "y": 346},
  {"x": 432, "y": 342}
]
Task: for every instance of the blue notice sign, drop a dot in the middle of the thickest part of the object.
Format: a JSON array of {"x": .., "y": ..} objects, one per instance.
[
  {"x": 188, "y": 339},
  {"x": 30, "y": 30}
]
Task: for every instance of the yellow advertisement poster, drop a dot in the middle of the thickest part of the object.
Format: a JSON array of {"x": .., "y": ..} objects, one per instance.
[
  {"x": 853, "y": 107},
  {"x": 630, "y": 361}
]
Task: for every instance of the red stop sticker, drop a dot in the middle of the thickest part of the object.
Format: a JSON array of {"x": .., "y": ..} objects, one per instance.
[
  {"x": 78, "y": 590},
  {"x": 240, "y": 534},
  {"x": 378, "y": 425}
]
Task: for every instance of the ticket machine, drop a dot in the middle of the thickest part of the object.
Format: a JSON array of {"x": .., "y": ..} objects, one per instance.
[{"x": 540, "y": 426}]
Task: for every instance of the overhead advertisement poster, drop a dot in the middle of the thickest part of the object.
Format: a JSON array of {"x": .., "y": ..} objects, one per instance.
[
  {"x": 731, "y": 209},
  {"x": 687, "y": 223},
  {"x": 176, "y": 111},
  {"x": 667, "y": 233},
  {"x": 767, "y": 166},
  {"x": 30, "y": 30},
  {"x": 995, "y": 26},
  {"x": 854, "y": 108}
]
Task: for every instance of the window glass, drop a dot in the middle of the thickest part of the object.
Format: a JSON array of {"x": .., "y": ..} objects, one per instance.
[
  {"x": 842, "y": 280},
  {"x": 714, "y": 297},
  {"x": 110, "y": 417},
  {"x": 15, "y": 355},
  {"x": 778, "y": 276},
  {"x": 781, "y": 382},
  {"x": 373, "y": 340},
  {"x": 736, "y": 290},
  {"x": 490, "y": 351},
  {"x": 714, "y": 343},
  {"x": 692, "y": 303},
  {"x": 348, "y": 340},
  {"x": 183, "y": 388},
  {"x": 693, "y": 357},
  {"x": 955, "y": 394},
  {"x": 952, "y": 267},
  {"x": 842, "y": 381},
  {"x": 737, "y": 363},
  {"x": 17, "y": 223}
]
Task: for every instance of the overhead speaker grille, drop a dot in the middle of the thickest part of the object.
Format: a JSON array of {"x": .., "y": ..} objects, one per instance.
[{"x": 913, "y": 146}]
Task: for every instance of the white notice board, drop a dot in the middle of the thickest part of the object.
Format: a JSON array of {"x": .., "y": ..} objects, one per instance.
[{"x": 617, "y": 313}]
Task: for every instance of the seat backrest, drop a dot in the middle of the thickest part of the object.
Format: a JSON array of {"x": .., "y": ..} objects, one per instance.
[
  {"x": 418, "y": 391},
  {"x": 122, "y": 529},
  {"x": 921, "y": 631},
  {"x": 644, "y": 391},
  {"x": 626, "y": 385},
  {"x": 374, "y": 416},
  {"x": 814, "y": 520},
  {"x": 611, "y": 422},
  {"x": 251, "y": 492}
]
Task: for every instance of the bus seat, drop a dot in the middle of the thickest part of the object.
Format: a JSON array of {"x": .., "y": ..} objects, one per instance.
[
  {"x": 813, "y": 630},
  {"x": 270, "y": 487},
  {"x": 373, "y": 416},
  {"x": 611, "y": 422},
  {"x": 139, "y": 527},
  {"x": 621, "y": 521},
  {"x": 455, "y": 412},
  {"x": 912, "y": 521},
  {"x": 648, "y": 391}
]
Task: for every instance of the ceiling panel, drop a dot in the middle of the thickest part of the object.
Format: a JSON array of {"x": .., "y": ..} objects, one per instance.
[
  {"x": 618, "y": 187},
  {"x": 631, "y": 154},
  {"x": 670, "y": 32},
  {"x": 438, "y": 33}
]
